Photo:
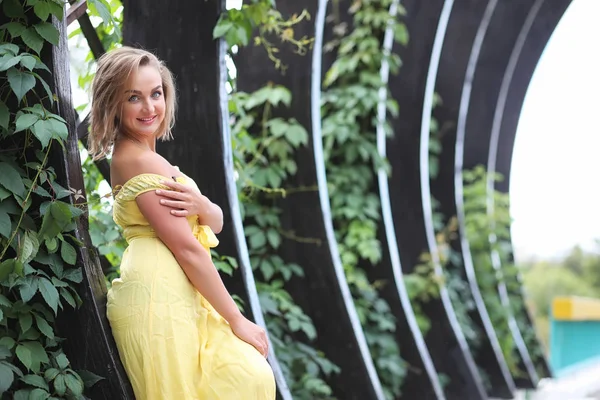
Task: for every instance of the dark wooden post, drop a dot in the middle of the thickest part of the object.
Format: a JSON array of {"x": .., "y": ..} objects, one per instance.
[
  {"x": 413, "y": 88},
  {"x": 181, "y": 34},
  {"x": 89, "y": 343}
]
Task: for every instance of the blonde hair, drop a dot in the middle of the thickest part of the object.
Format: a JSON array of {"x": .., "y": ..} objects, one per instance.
[{"x": 114, "y": 70}]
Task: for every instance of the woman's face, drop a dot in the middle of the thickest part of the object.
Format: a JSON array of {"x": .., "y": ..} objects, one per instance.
[{"x": 144, "y": 103}]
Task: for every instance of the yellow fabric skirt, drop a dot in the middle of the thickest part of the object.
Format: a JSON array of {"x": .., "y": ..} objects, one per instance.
[{"x": 172, "y": 342}]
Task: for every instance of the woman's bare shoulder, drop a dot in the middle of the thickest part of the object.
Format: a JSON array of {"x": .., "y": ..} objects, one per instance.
[{"x": 127, "y": 166}]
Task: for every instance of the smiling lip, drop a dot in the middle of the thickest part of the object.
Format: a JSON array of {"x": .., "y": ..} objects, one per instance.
[{"x": 148, "y": 120}]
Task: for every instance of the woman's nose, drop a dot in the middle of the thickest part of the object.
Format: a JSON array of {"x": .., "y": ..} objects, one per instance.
[{"x": 148, "y": 105}]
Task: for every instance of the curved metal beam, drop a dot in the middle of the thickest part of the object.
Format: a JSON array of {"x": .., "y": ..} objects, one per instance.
[
  {"x": 524, "y": 59},
  {"x": 498, "y": 59},
  {"x": 422, "y": 380},
  {"x": 489, "y": 355},
  {"x": 323, "y": 292},
  {"x": 413, "y": 88}
]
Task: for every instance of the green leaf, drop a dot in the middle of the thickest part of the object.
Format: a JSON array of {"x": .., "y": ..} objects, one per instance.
[
  {"x": 5, "y": 225},
  {"x": 4, "y": 115},
  {"x": 221, "y": 28},
  {"x": 32, "y": 39},
  {"x": 38, "y": 394},
  {"x": 11, "y": 179},
  {"x": 19, "y": 267},
  {"x": 274, "y": 238},
  {"x": 13, "y": 9},
  {"x": 28, "y": 288},
  {"x": 50, "y": 374},
  {"x": 57, "y": 10},
  {"x": 35, "y": 380},
  {"x": 8, "y": 61},
  {"x": 58, "y": 129},
  {"x": 9, "y": 48},
  {"x": 4, "y": 302},
  {"x": 30, "y": 247},
  {"x": 48, "y": 32},
  {"x": 64, "y": 292},
  {"x": 38, "y": 355},
  {"x": 6, "y": 268},
  {"x": 74, "y": 275},
  {"x": 49, "y": 293},
  {"x": 257, "y": 240},
  {"x": 99, "y": 8},
  {"x": 6, "y": 377},
  {"x": 52, "y": 244},
  {"x": 20, "y": 82},
  {"x": 25, "y": 321},
  {"x": 14, "y": 28},
  {"x": 89, "y": 378},
  {"x": 59, "y": 385},
  {"x": 41, "y": 132},
  {"x": 68, "y": 253},
  {"x": 62, "y": 361},
  {"x": 24, "y": 355},
  {"x": 42, "y": 10},
  {"x": 44, "y": 327},
  {"x": 28, "y": 62},
  {"x": 4, "y": 194},
  {"x": 74, "y": 384},
  {"x": 24, "y": 121}
]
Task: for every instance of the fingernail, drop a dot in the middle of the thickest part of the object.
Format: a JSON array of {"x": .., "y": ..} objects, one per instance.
[
  {"x": 159, "y": 191},
  {"x": 162, "y": 202}
]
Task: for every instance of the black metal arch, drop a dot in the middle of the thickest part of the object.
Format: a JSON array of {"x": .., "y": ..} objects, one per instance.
[
  {"x": 323, "y": 292},
  {"x": 534, "y": 36},
  {"x": 462, "y": 52},
  {"x": 486, "y": 57},
  {"x": 474, "y": 128},
  {"x": 422, "y": 380},
  {"x": 413, "y": 88}
]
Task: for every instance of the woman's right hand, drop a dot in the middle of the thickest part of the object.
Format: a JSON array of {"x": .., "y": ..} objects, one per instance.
[{"x": 252, "y": 334}]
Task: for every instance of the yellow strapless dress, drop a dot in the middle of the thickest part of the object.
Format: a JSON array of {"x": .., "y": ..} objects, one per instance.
[{"x": 172, "y": 342}]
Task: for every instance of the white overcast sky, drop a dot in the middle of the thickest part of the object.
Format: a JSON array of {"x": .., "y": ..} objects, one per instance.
[{"x": 555, "y": 183}]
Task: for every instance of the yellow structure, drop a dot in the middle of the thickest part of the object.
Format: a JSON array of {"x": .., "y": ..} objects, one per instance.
[{"x": 576, "y": 309}]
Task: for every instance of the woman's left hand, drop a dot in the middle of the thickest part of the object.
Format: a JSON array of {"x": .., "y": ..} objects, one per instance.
[{"x": 184, "y": 199}]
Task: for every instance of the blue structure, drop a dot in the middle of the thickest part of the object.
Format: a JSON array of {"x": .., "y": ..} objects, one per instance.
[{"x": 574, "y": 334}]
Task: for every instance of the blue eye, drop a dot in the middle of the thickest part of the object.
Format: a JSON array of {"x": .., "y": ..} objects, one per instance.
[
  {"x": 133, "y": 98},
  {"x": 156, "y": 94}
]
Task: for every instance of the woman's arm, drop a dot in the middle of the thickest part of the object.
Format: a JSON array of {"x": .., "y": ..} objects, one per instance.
[
  {"x": 187, "y": 200},
  {"x": 199, "y": 268}
]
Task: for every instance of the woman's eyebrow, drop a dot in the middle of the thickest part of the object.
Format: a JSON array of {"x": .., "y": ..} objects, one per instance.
[{"x": 138, "y": 92}]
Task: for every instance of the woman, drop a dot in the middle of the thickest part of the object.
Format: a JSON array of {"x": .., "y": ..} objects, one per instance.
[{"x": 178, "y": 331}]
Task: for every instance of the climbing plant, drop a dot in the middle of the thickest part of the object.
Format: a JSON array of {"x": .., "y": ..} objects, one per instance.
[
  {"x": 38, "y": 272},
  {"x": 480, "y": 227},
  {"x": 264, "y": 147},
  {"x": 349, "y": 115}
]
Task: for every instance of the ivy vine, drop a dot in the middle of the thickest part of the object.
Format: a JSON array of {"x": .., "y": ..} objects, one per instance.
[
  {"x": 263, "y": 153},
  {"x": 480, "y": 226},
  {"x": 349, "y": 115},
  {"x": 38, "y": 272}
]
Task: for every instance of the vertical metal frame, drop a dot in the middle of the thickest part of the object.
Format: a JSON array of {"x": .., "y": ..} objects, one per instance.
[
  {"x": 323, "y": 292},
  {"x": 410, "y": 198}
]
